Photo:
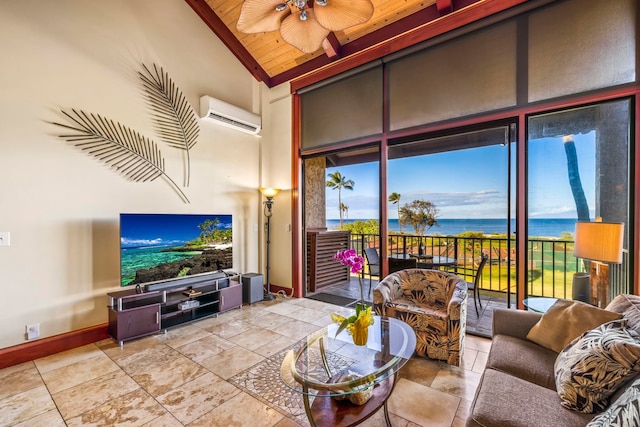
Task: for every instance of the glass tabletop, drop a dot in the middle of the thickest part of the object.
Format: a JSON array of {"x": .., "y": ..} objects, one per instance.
[
  {"x": 539, "y": 304},
  {"x": 334, "y": 365}
]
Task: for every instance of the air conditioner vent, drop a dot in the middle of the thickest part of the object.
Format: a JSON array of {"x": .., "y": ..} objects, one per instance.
[{"x": 229, "y": 115}]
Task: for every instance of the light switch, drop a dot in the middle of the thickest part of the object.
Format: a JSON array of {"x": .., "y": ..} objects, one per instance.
[{"x": 5, "y": 238}]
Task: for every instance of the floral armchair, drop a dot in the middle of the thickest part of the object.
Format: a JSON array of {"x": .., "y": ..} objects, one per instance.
[{"x": 433, "y": 303}]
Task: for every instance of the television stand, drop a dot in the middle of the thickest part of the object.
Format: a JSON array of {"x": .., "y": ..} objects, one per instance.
[{"x": 165, "y": 304}]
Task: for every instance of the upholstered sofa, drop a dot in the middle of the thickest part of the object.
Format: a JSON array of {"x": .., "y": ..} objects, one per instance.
[
  {"x": 526, "y": 384},
  {"x": 434, "y": 303}
]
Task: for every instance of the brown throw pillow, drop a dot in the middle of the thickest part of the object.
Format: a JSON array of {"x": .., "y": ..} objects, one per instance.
[{"x": 566, "y": 320}]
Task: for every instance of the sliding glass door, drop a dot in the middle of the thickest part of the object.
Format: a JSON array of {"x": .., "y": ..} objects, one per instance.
[
  {"x": 578, "y": 170},
  {"x": 450, "y": 202}
]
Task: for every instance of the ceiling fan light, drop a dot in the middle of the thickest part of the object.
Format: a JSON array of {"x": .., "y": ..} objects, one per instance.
[
  {"x": 281, "y": 7},
  {"x": 321, "y": 2},
  {"x": 303, "y": 15}
]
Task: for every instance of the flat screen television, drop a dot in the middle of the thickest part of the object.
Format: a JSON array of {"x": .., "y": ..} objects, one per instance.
[{"x": 155, "y": 247}]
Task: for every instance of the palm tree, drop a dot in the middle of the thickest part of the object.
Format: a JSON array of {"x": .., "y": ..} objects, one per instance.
[
  {"x": 582, "y": 207},
  {"x": 395, "y": 199},
  {"x": 337, "y": 181},
  {"x": 344, "y": 208}
]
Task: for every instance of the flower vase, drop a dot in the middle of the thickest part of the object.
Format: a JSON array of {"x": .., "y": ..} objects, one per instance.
[{"x": 360, "y": 335}]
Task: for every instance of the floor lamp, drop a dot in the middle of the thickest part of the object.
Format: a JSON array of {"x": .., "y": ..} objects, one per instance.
[
  {"x": 269, "y": 193},
  {"x": 599, "y": 242}
]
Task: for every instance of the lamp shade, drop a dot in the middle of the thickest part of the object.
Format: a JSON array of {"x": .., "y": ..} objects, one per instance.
[
  {"x": 269, "y": 192},
  {"x": 599, "y": 241}
]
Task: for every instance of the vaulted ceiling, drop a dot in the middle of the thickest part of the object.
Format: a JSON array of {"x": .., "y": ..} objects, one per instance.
[{"x": 395, "y": 25}]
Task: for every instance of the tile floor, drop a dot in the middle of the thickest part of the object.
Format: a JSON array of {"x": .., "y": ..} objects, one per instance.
[{"x": 181, "y": 378}]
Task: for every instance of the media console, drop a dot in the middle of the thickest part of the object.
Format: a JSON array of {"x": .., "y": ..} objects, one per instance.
[{"x": 161, "y": 305}]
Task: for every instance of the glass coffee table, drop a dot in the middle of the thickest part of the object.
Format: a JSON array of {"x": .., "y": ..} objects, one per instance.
[{"x": 319, "y": 363}]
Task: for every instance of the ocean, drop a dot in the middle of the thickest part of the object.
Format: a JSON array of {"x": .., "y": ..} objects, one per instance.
[{"x": 546, "y": 227}]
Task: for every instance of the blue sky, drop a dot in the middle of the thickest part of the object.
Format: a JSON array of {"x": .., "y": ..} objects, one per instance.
[{"x": 471, "y": 183}]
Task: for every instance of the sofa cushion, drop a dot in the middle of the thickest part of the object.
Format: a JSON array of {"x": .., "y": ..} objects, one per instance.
[
  {"x": 566, "y": 320},
  {"x": 590, "y": 369},
  {"x": 507, "y": 401},
  {"x": 623, "y": 412},
  {"x": 629, "y": 307},
  {"x": 523, "y": 359}
]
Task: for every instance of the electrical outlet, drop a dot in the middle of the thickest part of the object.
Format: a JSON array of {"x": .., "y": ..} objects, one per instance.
[
  {"x": 33, "y": 331},
  {"x": 5, "y": 238}
]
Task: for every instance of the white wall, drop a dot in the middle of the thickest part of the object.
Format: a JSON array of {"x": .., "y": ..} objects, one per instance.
[
  {"x": 276, "y": 169},
  {"x": 61, "y": 205}
]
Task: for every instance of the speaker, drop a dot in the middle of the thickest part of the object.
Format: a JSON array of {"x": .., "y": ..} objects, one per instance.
[
  {"x": 581, "y": 287},
  {"x": 252, "y": 290}
]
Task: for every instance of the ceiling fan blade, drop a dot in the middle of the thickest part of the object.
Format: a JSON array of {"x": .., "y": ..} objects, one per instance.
[
  {"x": 340, "y": 14},
  {"x": 261, "y": 16},
  {"x": 305, "y": 35}
]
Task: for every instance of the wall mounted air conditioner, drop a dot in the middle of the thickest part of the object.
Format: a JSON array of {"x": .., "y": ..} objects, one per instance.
[{"x": 229, "y": 115}]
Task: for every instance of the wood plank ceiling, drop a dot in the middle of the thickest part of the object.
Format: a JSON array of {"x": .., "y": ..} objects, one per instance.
[{"x": 395, "y": 24}]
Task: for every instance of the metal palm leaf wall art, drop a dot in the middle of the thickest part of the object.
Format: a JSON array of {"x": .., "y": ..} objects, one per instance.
[
  {"x": 128, "y": 152},
  {"x": 176, "y": 123}
]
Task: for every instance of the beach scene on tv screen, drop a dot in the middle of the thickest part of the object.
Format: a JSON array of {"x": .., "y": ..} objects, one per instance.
[{"x": 155, "y": 247}]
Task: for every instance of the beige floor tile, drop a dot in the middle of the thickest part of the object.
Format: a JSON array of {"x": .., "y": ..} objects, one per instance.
[
  {"x": 477, "y": 343},
  {"x": 457, "y": 382},
  {"x": 230, "y": 328},
  {"x": 310, "y": 315},
  {"x": 423, "y": 405},
  {"x": 131, "y": 409},
  {"x": 469, "y": 358},
  {"x": 231, "y": 362},
  {"x": 286, "y": 422},
  {"x": 254, "y": 413},
  {"x": 177, "y": 337},
  {"x": 79, "y": 372},
  {"x": 254, "y": 338},
  {"x": 116, "y": 352},
  {"x": 48, "y": 419},
  {"x": 275, "y": 346},
  {"x": 25, "y": 406},
  {"x": 194, "y": 399},
  {"x": 159, "y": 379},
  {"x": 89, "y": 389},
  {"x": 463, "y": 409},
  {"x": 480, "y": 363},
  {"x": 284, "y": 309},
  {"x": 268, "y": 320},
  {"x": 147, "y": 358},
  {"x": 205, "y": 347},
  {"x": 19, "y": 378},
  {"x": 420, "y": 370},
  {"x": 166, "y": 420},
  {"x": 91, "y": 394},
  {"x": 66, "y": 358},
  {"x": 247, "y": 312},
  {"x": 297, "y": 329}
]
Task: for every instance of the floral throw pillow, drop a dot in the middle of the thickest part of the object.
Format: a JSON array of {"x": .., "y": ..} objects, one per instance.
[
  {"x": 624, "y": 412},
  {"x": 591, "y": 368}
]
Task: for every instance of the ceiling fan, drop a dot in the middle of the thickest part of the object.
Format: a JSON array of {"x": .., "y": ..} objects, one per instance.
[{"x": 303, "y": 24}]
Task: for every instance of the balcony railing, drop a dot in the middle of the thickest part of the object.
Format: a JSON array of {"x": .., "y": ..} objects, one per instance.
[{"x": 551, "y": 263}]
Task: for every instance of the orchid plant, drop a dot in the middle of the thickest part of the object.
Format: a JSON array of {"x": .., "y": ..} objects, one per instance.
[{"x": 363, "y": 317}]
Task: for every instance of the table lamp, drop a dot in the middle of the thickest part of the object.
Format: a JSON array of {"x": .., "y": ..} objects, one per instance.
[
  {"x": 269, "y": 193},
  {"x": 601, "y": 243}
]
